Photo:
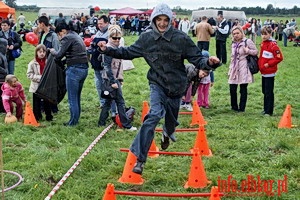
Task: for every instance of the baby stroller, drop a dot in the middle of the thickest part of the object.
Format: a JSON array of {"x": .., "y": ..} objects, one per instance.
[{"x": 297, "y": 41}]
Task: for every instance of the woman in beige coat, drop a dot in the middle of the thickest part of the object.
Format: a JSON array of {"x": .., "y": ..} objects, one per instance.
[{"x": 239, "y": 73}]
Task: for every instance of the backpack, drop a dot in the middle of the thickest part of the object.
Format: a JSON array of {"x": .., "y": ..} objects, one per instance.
[{"x": 252, "y": 62}]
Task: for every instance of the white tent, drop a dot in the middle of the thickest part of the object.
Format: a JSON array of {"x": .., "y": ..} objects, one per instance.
[
  {"x": 240, "y": 15},
  {"x": 67, "y": 12}
]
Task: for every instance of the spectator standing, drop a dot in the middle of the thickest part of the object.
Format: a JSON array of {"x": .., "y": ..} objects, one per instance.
[
  {"x": 239, "y": 73},
  {"x": 34, "y": 73},
  {"x": 21, "y": 20},
  {"x": 184, "y": 25},
  {"x": 73, "y": 49},
  {"x": 203, "y": 32},
  {"x": 270, "y": 56},
  {"x": 13, "y": 42},
  {"x": 222, "y": 31},
  {"x": 59, "y": 20}
]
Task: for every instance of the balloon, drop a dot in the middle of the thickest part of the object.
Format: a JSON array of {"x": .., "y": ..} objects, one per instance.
[
  {"x": 87, "y": 41},
  {"x": 97, "y": 8},
  {"x": 32, "y": 38}
]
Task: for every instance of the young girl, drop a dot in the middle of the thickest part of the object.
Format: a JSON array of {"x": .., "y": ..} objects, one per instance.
[
  {"x": 270, "y": 56},
  {"x": 34, "y": 73},
  {"x": 113, "y": 72},
  {"x": 204, "y": 86},
  {"x": 13, "y": 92}
]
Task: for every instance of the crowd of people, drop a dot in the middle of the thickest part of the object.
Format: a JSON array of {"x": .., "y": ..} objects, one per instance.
[{"x": 164, "y": 43}]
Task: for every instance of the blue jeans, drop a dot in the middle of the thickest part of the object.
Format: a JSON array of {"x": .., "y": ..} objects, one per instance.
[
  {"x": 98, "y": 81},
  {"x": 284, "y": 39},
  {"x": 11, "y": 67},
  {"x": 120, "y": 102},
  {"x": 161, "y": 106},
  {"x": 75, "y": 77}
]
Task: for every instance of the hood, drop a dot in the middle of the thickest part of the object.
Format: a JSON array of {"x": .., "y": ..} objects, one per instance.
[
  {"x": 161, "y": 9},
  {"x": 3, "y": 46},
  {"x": 5, "y": 86}
]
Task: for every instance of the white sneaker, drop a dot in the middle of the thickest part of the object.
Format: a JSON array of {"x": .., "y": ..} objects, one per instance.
[
  {"x": 132, "y": 128},
  {"x": 189, "y": 107},
  {"x": 183, "y": 106}
]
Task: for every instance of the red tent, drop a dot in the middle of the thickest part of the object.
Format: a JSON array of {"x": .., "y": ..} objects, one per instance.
[
  {"x": 148, "y": 12},
  {"x": 5, "y": 10},
  {"x": 126, "y": 11}
]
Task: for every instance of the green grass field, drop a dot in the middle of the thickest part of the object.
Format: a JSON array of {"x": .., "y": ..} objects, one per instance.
[{"x": 242, "y": 143}]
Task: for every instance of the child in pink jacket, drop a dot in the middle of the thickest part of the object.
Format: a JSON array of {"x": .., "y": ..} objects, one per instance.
[{"x": 13, "y": 92}]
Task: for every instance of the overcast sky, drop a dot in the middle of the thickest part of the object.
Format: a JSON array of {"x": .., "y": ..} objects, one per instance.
[{"x": 188, "y": 4}]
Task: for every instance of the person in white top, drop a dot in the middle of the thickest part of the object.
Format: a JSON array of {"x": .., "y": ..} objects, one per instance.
[
  {"x": 184, "y": 25},
  {"x": 21, "y": 19}
]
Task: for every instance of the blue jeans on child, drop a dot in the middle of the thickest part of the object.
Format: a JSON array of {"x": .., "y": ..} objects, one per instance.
[
  {"x": 75, "y": 77},
  {"x": 161, "y": 106}
]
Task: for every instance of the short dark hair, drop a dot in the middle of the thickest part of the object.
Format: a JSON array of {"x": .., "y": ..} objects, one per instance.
[
  {"x": 104, "y": 17},
  {"x": 44, "y": 19},
  {"x": 6, "y": 22},
  {"x": 61, "y": 26}
]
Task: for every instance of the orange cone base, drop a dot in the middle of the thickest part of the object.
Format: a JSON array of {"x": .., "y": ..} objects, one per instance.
[
  {"x": 196, "y": 184},
  {"x": 29, "y": 118},
  {"x": 286, "y": 119},
  {"x": 153, "y": 147},
  {"x": 128, "y": 176},
  {"x": 197, "y": 176},
  {"x": 209, "y": 154}
]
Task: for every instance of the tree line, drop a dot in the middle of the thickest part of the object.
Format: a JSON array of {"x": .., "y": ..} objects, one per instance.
[{"x": 269, "y": 10}]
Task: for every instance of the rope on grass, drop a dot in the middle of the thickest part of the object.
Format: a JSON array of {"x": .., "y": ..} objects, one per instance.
[
  {"x": 15, "y": 185},
  {"x": 69, "y": 172}
]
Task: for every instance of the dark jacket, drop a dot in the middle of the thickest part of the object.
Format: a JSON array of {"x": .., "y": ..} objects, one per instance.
[
  {"x": 3, "y": 61},
  {"x": 50, "y": 41},
  {"x": 73, "y": 48},
  {"x": 13, "y": 39}
]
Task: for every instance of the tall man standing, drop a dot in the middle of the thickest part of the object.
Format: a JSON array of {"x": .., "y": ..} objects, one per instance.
[
  {"x": 203, "y": 32},
  {"x": 222, "y": 31}
]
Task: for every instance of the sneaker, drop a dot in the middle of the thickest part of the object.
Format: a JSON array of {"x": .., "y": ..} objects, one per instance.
[
  {"x": 189, "y": 107},
  {"x": 138, "y": 167},
  {"x": 133, "y": 128},
  {"x": 183, "y": 106},
  {"x": 165, "y": 142}
]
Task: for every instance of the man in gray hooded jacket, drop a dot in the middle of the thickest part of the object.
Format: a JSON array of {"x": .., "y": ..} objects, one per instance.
[{"x": 164, "y": 49}]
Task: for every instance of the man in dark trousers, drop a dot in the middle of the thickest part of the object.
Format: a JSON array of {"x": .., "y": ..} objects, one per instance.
[{"x": 222, "y": 32}]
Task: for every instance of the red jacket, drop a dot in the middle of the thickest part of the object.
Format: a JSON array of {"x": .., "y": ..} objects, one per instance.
[{"x": 271, "y": 54}]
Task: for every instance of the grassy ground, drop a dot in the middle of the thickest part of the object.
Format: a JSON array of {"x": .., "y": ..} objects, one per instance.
[{"x": 242, "y": 143}]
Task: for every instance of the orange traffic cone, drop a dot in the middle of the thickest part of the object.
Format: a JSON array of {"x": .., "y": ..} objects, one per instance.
[
  {"x": 197, "y": 175},
  {"x": 118, "y": 121},
  {"x": 109, "y": 192},
  {"x": 201, "y": 143},
  {"x": 214, "y": 193},
  {"x": 29, "y": 118},
  {"x": 286, "y": 119},
  {"x": 153, "y": 147},
  {"x": 197, "y": 117},
  {"x": 145, "y": 110},
  {"x": 128, "y": 176}
]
